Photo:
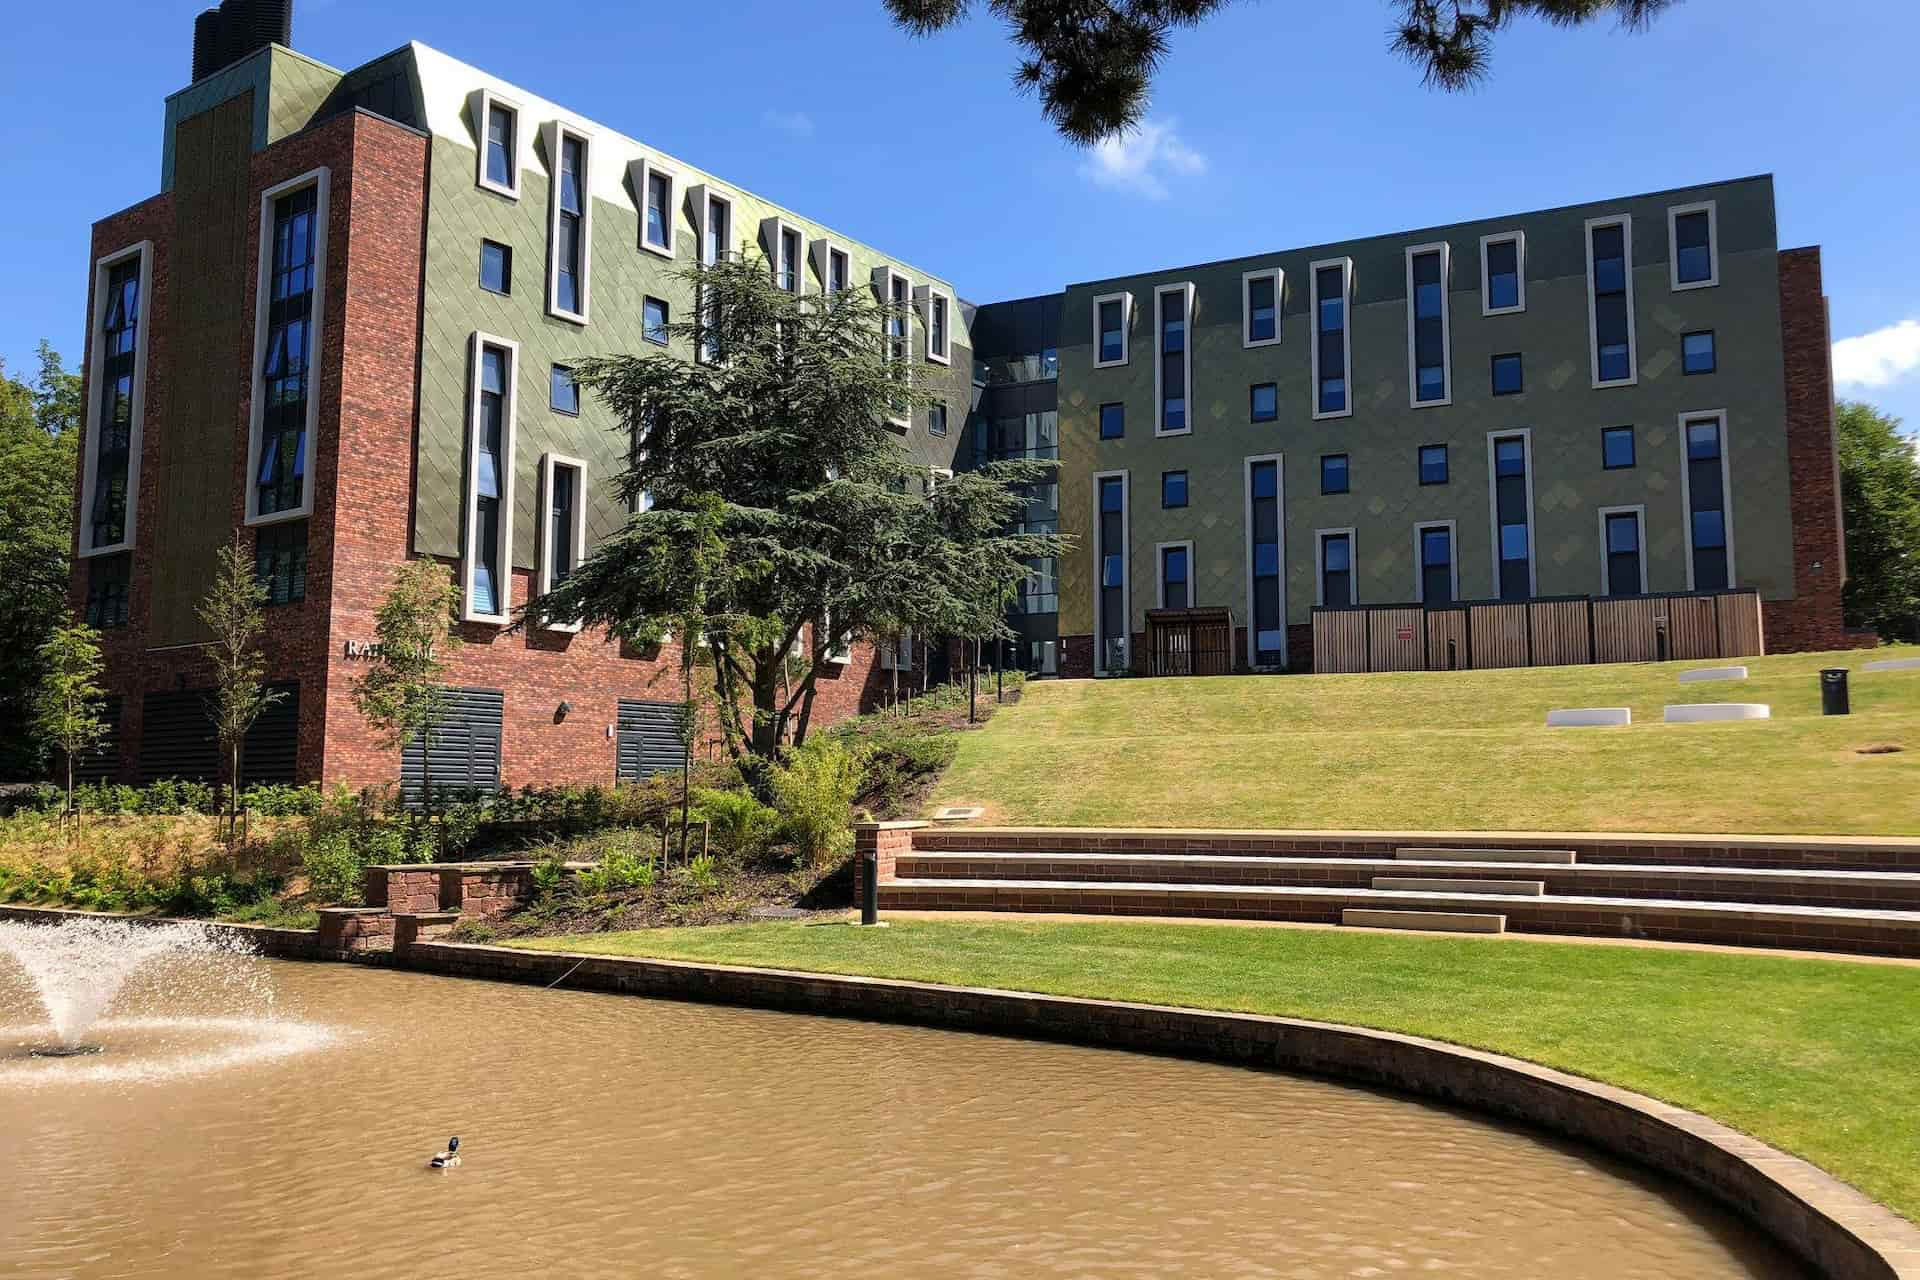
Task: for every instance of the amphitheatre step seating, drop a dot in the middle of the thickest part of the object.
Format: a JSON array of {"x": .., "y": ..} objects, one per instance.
[
  {"x": 1433, "y": 921},
  {"x": 1524, "y": 888},
  {"x": 1563, "y": 857}
]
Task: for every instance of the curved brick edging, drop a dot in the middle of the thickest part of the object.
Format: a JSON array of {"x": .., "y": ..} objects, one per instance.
[{"x": 1842, "y": 1233}]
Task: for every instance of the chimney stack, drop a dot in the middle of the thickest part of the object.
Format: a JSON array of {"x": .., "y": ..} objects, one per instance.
[{"x": 223, "y": 36}]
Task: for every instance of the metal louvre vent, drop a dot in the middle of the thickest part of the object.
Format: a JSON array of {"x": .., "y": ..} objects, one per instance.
[
  {"x": 102, "y": 763},
  {"x": 273, "y": 742},
  {"x": 466, "y": 748},
  {"x": 649, "y": 739},
  {"x": 177, "y": 738}
]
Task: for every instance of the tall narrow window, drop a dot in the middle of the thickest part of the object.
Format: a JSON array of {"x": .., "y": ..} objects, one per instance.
[
  {"x": 1436, "y": 563},
  {"x": 572, "y": 192},
  {"x": 837, "y": 270},
  {"x": 1172, "y": 373},
  {"x": 1333, "y": 473},
  {"x": 1332, "y": 352},
  {"x": 1696, "y": 248},
  {"x": 788, "y": 274},
  {"x": 1336, "y": 569},
  {"x": 655, "y": 187},
  {"x": 1263, "y": 402},
  {"x": 899, "y": 298},
  {"x": 1173, "y": 489},
  {"x": 1621, "y": 530},
  {"x": 1267, "y": 637},
  {"x": 499, "y": 145},
  {"x": 563, "y": 529},
  {"x": 1428, "y": 338},
  {"x": 496, "y": 267},
  {"x": 1111, "y": 497},
  {"x": 1610, "y": 294},
  {"x": 717, "y": 229},
  {"x": 1174, "y": 557},
  {"x": 1433, "y": 464},
  {"x": 1709, "y": 525},
  {"x": 938, "y": 348},
  {"x": 489, "y": 569},
  {"x": 280, "y": 561},
  {"x": 1696, "y": 352},
  {"x": 564, "y": 396},
  {"x": 1503, "y": 281},
  {"x": 937, "y": 418},
  {"x": 1260, "y": 308},
  {"x": 1110, "y": 329},
  {"x": 116, "y": 392},
  {"x": 653, "y": 320},
  {"x": 107, "y": 590},
  {"x": 289, "y": 332},
  {"x": 1513, "y": 533}
]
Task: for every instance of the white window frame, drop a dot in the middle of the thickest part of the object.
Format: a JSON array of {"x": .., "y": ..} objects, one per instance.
[
  {"x": 1126, "y": 568},
  {"x": 1125, "y": 299},
  {"x": 642, "y": 172},
  {"x": 705, "y": 195},
  {"x": 771, "y": 230},
  {"x": 90, "y": 429},
  {"x": 1159, "y": 571},
  {"x": 1638, "y": 510},
  {"x": 1493, "y": 507},
  {"x": 823, "y": 252},
  {"x": 468, "y": 559},
  {"x": 883, "y": 278},
  {"x": 925, "y": 295},
  {"x": 557, "y": 132},
  {"x": 1320, "y": 537},
  {"x": 1712, "y": 209},
  {"x": 1279, "y": 527},
  {"x": 1445, "y": 250},
  {"x": 935, "y": 475},
  {"x": 1187, "y": 291},
  {"x": 1519, "y": 242},
  {"x": 1346, "y": 333},
  {"x": 839, "y": 657},
  {"x": 482, "y": 102},
  {"x": 1625, "y": 222},
  {"x": 1726, "y": 490},
  {"x": 1247, "y": 278},
  {"x": 316, "y": 327},
  {"x": 549, "y": 463},
  {"x": 1453, "y": 558}
]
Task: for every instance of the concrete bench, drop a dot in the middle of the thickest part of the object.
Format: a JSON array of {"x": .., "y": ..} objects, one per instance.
[
  {"x": 1588, "y": 717},
  {"x": 1893, "y": 664},
  {"x": 1698, "y": 712},
  {"x": 1713, "y": 673}
]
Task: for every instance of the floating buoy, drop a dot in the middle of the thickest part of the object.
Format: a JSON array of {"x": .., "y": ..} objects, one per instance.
[{"x": 448, "y": 1159}]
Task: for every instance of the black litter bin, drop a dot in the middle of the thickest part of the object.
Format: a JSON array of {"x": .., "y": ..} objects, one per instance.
[{"x": 1833, "y": 691}]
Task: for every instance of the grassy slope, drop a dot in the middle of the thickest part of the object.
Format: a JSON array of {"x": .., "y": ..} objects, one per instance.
[
  {"x": 1814, "y": 1056},
  {"x": 1451, "y": 751}
]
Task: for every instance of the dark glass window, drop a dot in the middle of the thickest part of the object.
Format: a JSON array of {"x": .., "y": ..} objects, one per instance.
[
  {"x": 1433, "y": 464},
  {"x": 566, "y": 392},
  {"x": 1113, "y": 574},
  {"x": 1696, "y": 352},
  {"x": 1507, "y": 375},
  {"x": 1693, "y": 247},
  {"x": 1173, "y": 488},
  {"x": 936, "y": 324},
  {"x": 500, "y": 153},
  {"x": 1436, "y": 565},
  {"x": 1510, "y": 512},
  {"x": 279, "y": 483},
  {"x": 107, "y": 579},
  {"x": 659, "y": 210},
  {"x": 1262, "y": 315},
  {"x": 1503, "y": 274},
  {"x": 1707, "y": 503},
  {"x": 1265, "y": 402},
  {"x": 1429, "y": 329},
  {"x": 653, "y": 320},
  {"x": 1173, "y": 361},
  {"x": 788, "y": 272},
  {"x": 719, "y": 229},
  {"x": 496, "y": 267},
  {"x": 1330, "y": 323},
  {"x": 489, "y": 582},
  {"x": 1336, "y": 570},
  {"x": 937, "y": 418},
  {"x": 570, "y": 286},
  {"x": 1173, "y": 577},
  {"x": 280, "y": 561},
  {"x": 1611, "y": 335},
  {"x": 1623, "y": 554},
  {"x": 1113, "y": 421},
  {"x": 1113, "y": 335},
  {"x": 1616, "y": 448},
  {"x": 1263, "y": 497},
  {"x": 562, "y": 554},
  {"x": 836, "y": 271},
  {"x": 1333, "y": 473},
  {"x": 113, "y": 430}
]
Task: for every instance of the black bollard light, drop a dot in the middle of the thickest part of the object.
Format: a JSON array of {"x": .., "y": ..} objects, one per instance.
[
  {"x": 870, "y": 890},
  {"x": 1834, "y": 700}
]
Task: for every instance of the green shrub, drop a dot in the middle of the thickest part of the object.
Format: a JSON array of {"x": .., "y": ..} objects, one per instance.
[
  {"x": 621, "y": 868},
  {"x": 701, "y": 873},
  {"x": 548, "y": 873},
  {"x": 814, "y": 792},
  {"x": 274, "y": 800},
  {"x": 335, "y": 867},
  {"x": 739, "y": 824}
]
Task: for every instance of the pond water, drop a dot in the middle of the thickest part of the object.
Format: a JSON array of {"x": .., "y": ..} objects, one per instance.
[{"x": 613, "y": 1136}]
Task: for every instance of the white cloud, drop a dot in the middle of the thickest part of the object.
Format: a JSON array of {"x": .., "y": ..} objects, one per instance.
[
  {"x": 1880, "y": 358},
  {"x": 1142, "y": 159},
  {"x": 797, "y": 123}
]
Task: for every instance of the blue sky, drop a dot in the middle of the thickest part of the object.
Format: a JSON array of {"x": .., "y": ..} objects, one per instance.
[{"x": 1275, "y": 125}]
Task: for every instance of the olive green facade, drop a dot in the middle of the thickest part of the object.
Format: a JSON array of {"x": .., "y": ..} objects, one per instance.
[{"x": 1560, "y": 408}]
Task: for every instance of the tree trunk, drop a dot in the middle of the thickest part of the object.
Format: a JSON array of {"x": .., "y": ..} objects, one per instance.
[
  {"x": 686, "y": 736},
  {"x": 973, "y": 685}
]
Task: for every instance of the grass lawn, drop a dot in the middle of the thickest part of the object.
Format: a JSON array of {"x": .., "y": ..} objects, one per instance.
[
  {"x": 1452, "y": 751},
  {"x": 1814, "y": 1056}
]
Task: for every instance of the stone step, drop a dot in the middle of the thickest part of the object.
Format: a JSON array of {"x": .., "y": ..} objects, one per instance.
[
  {"x": 1540, "y": 857},
  {"x": 1421, "y": 884},
  {"x": 1431, "y": 921}
]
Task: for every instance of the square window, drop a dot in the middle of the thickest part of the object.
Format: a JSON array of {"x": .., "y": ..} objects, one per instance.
[
  {"x": 1173, "y": 488},
  {"x": 1507, "y": 379},
  {"x": 496, "y": 267},
  {"x": 1616, "y": 448},
  {"x": 653, "y": 321},
  {"x": 1433, "y": 464},
  {"x": 1696, "y": 352},
  {"x": 1333, "y": 473},
  {"x": 1113, "y": 421},
  {"x": 566, "y": 392},
  {"x": 1265, "y": 399}
]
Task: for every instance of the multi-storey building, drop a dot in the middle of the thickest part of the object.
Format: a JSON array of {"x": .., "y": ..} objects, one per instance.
[{"x": 341, "y": 332}]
